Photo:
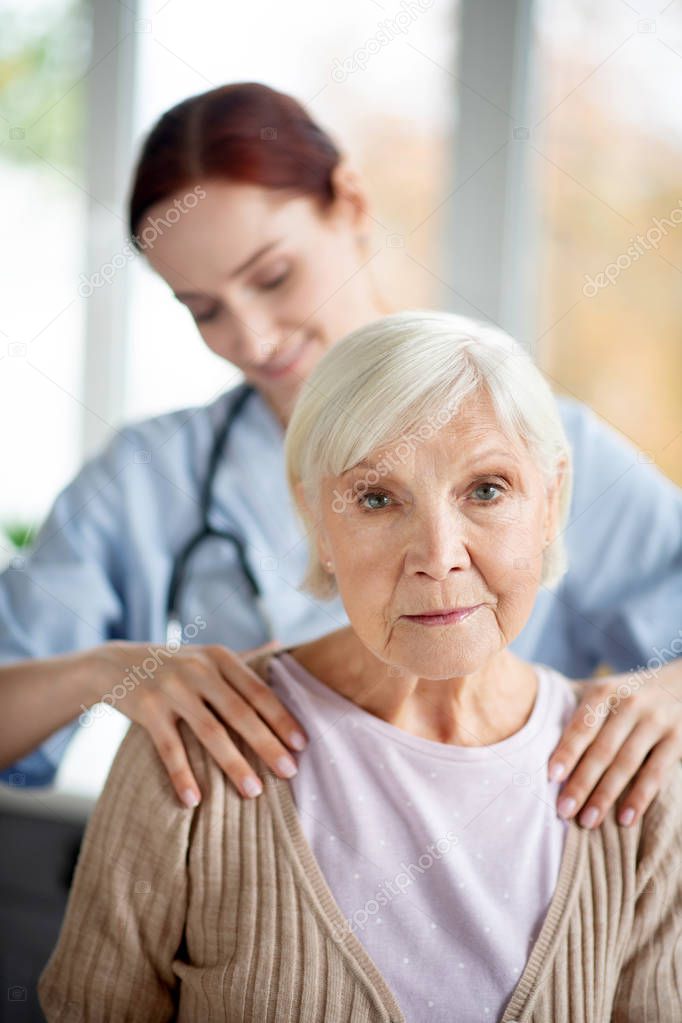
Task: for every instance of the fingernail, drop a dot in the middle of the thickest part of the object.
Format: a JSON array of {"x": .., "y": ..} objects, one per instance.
[
  {"x": 297, "y": 740},
  {"x": 627, "y": 816},
  {"x": 556, "y": 772},
  {"x": 589, "y": 817},
  {"x": 252, "y": 786},
  {"x": 190, "y": 798},
  {"x": 566, "y": 806},
  {"x": 286, "y": 766}
]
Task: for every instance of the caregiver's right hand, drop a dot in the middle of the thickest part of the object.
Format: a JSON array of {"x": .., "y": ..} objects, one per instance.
[{"x": 205, "y": 686}]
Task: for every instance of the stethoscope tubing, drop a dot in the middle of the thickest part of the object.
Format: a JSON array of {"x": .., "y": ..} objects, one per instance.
[{"x": 174, "y": 624}]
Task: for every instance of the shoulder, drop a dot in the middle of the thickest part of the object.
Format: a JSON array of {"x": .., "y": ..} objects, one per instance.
[
  {"x": 599, "y": 449},
  {"x": 138, "y": 782},
  {"x": 604, "y": 455},
  {"x": 567, "y": 691},
  {"x": 645, "y": 858},
  {"x": 625, "y": 516},
  {"x": 139, "y": 803},
  {"x": 151, "y": 455},
  {"x": 596, "y": 445},
  {"x": 574, "y": 414},
  {"x": 173, "y": 436},
  {"x": 584, "y": 426},
  {"x": 138, "y": 829},
  {"x": 138, "y": 767},
  {"x": 660, "y": 843},
  {"x": 193, "y": 425}
]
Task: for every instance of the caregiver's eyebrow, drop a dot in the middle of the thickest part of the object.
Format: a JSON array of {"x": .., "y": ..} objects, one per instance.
[{"x": 183, "y": 295}]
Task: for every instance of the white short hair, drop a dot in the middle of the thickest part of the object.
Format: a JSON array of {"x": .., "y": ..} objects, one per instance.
[{"x": 401, "y": 372}]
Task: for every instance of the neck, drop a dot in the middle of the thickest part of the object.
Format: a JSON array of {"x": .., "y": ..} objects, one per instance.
[
  {"x": 477, "y": 709},
  {"x": 282, "y": 408}
]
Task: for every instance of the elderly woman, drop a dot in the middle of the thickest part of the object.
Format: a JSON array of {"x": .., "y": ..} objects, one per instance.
[{"x": 415, "y": 868}]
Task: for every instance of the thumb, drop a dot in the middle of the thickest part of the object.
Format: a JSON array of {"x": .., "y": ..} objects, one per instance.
[{"x": 272, "y": 644}]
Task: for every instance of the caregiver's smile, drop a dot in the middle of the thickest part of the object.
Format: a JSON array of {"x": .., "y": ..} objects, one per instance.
[{"x": 285, "y": 361}]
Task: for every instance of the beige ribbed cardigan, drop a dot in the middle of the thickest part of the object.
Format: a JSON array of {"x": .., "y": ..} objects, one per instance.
[{"x": 222, "y": 913}]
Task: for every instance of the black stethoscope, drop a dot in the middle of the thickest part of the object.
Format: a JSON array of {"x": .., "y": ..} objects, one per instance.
[{"x": 173, "y": 622}]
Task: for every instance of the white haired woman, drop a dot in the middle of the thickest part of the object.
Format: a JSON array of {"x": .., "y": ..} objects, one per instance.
[{"x": 416, "y": 861}]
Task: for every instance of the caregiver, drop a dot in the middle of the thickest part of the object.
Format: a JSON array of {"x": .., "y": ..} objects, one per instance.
[{"x": 270, "y": 250}]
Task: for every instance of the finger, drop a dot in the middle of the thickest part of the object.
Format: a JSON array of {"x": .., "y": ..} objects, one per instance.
[
  {"x": 170, "y": 747},
  {"x": 613, "y": 782},
  {"x": 597, "y": 758},
  {"x": 236, "y": 712},
  {"x": 650, "y": 780},
  {"x": 212, "y": 734},
  {"x": 261, "y": 697},
  {"x": 579, "y": 733}
]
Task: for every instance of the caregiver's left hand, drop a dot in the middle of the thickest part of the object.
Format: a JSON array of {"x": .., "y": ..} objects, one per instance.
[{"x": 626, "y": 732}]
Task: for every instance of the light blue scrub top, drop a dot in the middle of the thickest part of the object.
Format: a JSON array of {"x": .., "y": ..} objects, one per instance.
[{"x": 101, "y": 564}]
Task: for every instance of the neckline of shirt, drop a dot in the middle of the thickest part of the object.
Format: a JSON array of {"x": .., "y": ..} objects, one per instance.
[{"x": 533, "y": 727}]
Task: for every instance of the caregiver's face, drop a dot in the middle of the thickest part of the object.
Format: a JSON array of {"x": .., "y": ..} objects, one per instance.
[
  {"x": 270, "y": 280},
  {"x": 460, "y": 524}
]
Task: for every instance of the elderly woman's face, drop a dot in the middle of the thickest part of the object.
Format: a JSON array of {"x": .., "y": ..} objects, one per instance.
[{"x": 460, "y": 524}]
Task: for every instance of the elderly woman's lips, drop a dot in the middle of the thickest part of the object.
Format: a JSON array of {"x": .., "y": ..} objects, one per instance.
[{"x": 443, "y": 617}]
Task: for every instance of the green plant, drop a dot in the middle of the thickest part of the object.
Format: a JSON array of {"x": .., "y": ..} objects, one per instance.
[{"x": 20, "y": 534}]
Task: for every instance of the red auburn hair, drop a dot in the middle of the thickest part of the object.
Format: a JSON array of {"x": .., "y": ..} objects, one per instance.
[{"x": 244, "y": 132}]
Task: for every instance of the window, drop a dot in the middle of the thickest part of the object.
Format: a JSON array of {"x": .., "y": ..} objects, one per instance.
[
  {"x": 44, "y": 50},
  {"x": 606, "y": 152}
]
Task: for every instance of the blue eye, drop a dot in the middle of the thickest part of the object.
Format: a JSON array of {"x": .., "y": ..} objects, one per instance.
[
  {"x": 372, "y": 494},
  {"x": 488, "y": 487}
]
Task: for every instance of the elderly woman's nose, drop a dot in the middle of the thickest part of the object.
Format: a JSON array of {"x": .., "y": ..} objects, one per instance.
[{"x": 437, "y": 543}]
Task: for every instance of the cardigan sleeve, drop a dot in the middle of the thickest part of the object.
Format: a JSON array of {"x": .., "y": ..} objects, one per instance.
[
  {"x": 649, "y": 985},
  {"x": 125, "y": 916}
]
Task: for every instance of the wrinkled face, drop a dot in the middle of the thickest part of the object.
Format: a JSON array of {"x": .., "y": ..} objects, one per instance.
[
  {"x": 461, "y": 523},
  {"x": 270, "y": 280}
]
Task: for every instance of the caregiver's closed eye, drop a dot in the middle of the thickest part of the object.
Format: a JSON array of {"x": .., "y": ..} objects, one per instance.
[
  {"x": 274, "y": 280},
  {"x": 269, "y": 283}
]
